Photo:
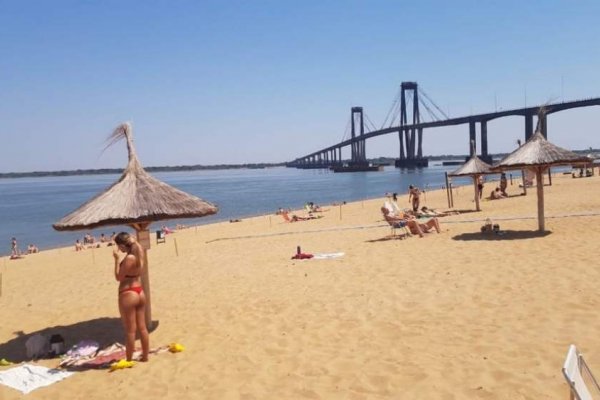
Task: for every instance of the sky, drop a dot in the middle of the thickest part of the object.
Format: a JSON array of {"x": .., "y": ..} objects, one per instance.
[{"x": 233, "y": 82}]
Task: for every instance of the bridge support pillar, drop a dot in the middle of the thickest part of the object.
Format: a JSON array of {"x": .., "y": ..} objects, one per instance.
[
  {"x": 359, "y": 156},
  {"x": 472, "y": 139},
  {"x": 401, "y": 140},
  {"x": 528, "y": 126},
  {"x": 544, "y": 126},
  {"x": 484, "y": 143}
]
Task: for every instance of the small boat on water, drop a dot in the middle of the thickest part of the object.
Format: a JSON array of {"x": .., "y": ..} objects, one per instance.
[{"x": 358, "y": 168}]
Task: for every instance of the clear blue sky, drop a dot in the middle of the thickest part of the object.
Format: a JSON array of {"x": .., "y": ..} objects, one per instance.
[{"x": 209, "y": 82}]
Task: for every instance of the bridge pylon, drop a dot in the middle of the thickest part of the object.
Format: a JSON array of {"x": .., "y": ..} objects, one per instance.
[
  {"x": 358, "y": 147},
  {"x": 411, "y": 139}
]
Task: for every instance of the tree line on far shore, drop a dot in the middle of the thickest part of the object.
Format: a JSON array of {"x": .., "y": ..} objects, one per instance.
[{"x": 105, "y": 171}]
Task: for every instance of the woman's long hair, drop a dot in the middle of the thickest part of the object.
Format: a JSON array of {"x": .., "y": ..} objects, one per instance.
[{"x": 125, "y": 239}]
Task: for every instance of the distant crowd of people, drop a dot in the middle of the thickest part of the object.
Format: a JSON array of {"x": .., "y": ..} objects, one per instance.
[
  {"x": 90, "y": 241},
  {"x": 15, "y": 252}
]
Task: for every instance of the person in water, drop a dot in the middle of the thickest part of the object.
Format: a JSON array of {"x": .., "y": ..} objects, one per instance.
[{"x": 132, "y": 299}]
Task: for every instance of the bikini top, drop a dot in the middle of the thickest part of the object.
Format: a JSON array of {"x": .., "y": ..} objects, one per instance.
[{"x": 132, "y": 276}]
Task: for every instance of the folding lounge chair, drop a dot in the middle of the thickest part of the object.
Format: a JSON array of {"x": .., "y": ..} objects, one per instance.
[
  {"x": 404, "y": 232},
  {"x": 574, "y": 370}
]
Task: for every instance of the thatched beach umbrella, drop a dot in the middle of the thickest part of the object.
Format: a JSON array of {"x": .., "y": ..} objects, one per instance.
[
  {"x": 474, "y": 168},
  {"x": 137, "y": 199},
  {"x": 537, "y": 155}
]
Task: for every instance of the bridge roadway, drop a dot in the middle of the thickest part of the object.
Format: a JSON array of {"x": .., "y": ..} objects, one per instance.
[{"x": 527, "y": 111}]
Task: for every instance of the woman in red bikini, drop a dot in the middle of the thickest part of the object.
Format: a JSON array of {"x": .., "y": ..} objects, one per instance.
[{"x": 132, "y": 300}]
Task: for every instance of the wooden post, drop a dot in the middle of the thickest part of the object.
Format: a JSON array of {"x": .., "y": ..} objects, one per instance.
[
  {"x": 176, "y": 249},
  {"x": 540, "y": 198},
  {"x": 447, "y": 189},
  {"x": 550, "y": 176},
  {"x": 143, "y": 238},
  {"x": 524, "y": 183},
  {"x": 0, "y": 284},
  {"x": 476, "y": 186}
]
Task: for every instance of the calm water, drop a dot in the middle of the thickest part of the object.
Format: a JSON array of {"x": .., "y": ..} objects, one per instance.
[{"x": 29, "y": 206}]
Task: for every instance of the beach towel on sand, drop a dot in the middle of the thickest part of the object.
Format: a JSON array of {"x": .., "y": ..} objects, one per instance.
[
  {"x": 27, "y": 377},
  {"x": 104, "y": 357},
  {"x": 327, "y": 256},
  {"x": 317, "y": 256}
]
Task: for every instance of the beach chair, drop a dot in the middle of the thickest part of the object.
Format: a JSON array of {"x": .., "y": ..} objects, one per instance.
[
  {"x": 160, "y": 237},
  {"x": 402, "y": 227},
  {"x": 577, "y": 373}
]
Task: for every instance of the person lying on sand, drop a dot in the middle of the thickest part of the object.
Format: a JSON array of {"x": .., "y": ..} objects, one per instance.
[
  {"x": 430, "y": 212},
  {"x": 295, "y": 218}
]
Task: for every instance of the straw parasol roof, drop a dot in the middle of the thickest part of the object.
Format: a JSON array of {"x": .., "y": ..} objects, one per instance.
[
  {"x": 538, "y": 154},
  {"x": 474, "y": 167},
  {"x": 136, "y": 197}
]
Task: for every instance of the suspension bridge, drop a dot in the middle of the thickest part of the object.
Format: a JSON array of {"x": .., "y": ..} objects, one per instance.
[{"x": 407, "y": 121}]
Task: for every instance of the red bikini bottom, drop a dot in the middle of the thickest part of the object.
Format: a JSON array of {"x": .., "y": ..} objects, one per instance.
[{"x": 137, "y": 289}]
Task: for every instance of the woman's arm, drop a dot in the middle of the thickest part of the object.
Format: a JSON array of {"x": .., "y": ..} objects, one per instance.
[{"x": 117, "y": 269}]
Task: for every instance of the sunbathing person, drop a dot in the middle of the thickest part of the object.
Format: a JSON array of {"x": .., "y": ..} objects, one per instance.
[
  {"x": 430, "y": 212},
  {"x": 294, "y": 217},
  {"x": 415, "y": 227},
  {"x": 78, "y": 245},
  {"x": 312, "y": 207},
  {"x": 497, "y": 194}
]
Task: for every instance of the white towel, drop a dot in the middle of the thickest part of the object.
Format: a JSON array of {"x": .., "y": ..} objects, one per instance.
[
  {"x": 325, "y": 256},
  {"x": 26, "y": 378}
]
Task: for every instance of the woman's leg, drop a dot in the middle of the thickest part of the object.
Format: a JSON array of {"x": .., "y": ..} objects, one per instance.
[
  {"x": 414, "y": 227},
  {"x": 434, "y": 223},
  {"x": 140, "y": 316},
  {"x": 128, "y": 302}
]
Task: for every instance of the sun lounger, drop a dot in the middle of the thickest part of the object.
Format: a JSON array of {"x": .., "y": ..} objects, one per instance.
[{"x": 577, "y": 373}]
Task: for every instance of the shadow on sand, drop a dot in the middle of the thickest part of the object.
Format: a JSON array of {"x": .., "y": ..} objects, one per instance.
[
  {"x": 502, "y": 235},
  {"x": 386, "y": 238},
  {"x": 105, "y": 331},
  {"x": 465, "y": 211}
]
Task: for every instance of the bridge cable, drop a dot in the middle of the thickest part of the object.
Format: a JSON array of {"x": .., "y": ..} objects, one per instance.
[
  {"x": 393, "y": 108},
  {"x": 429, "y": 111},
  {"x": 372, "y": 126},
  {"x": 432, "y": 102},
  {"x": 345, "y": 136}
]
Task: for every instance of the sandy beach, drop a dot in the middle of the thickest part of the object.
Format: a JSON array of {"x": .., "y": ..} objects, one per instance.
[{"x": 455, "y": 315}]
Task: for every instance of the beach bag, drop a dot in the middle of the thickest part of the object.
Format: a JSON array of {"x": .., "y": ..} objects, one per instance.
[
  {"x": 57, "y": 345},
  {"x": 37, "y": 346}
]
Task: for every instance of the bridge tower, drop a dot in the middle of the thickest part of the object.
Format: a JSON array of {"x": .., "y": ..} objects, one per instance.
[
  {"x": 411, "y": 139},
  {"x": 359, "y": 155}
]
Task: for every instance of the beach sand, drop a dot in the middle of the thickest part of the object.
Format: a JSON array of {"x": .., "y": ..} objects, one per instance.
[{"x": 456, "y": 315}]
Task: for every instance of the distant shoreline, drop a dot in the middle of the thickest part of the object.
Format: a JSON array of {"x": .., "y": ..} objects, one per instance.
[{"x": 107, "y": 171}]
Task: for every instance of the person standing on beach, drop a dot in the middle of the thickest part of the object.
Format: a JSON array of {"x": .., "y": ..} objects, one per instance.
[
  {"x": 132, "y": 299},
  {"x": 414, "y": 197},
  {"x": 503, "y": 184},
  {"x": 14, "y": 248},
  {"x": 480, "y": 186}
]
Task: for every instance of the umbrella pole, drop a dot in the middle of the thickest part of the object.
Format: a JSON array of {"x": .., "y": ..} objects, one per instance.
[
  {"x": 143, "y": 238},
  {"x": 476, "y": 186},
  {"x": 540, "y": 198}
]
